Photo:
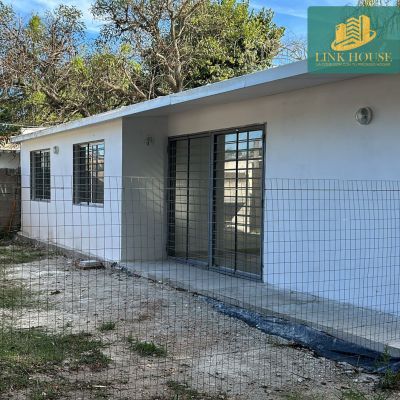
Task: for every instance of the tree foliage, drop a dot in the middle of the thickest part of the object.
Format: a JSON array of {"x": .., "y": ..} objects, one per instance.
[
  {"x": 50, "y": 72},
  {"x": 188, "y": 43}
]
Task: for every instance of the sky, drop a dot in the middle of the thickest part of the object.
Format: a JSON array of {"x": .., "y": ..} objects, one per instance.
[{"x": 289, "y": 13}]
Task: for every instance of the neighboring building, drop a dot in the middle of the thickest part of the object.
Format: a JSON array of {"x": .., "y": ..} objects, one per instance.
[
  {"x": 9, "y": 188},
  {"x": 9, "y": 156},
  {"x": 218, "y": 150}
]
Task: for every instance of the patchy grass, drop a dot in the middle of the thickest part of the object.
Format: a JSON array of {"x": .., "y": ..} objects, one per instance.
[
  {"x": 182, "y": 391},
  {"x": 60, "y": 388},
  {"x": 301, "y": 396},
  {"x": 146, "y": 348},
  {"x": 13, "y": 295},
  {"x": 351, "y": 394},
  {"x": 15, "y": 254},
  {"x": 354, "y": 394},
  {"x": 27, "y": 352},
  {"x": 107, "y": 326},
  {"x": 41, "y": 390}
]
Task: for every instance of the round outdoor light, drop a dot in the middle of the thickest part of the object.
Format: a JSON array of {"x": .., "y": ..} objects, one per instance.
[
  {"x": 56, "y": 149},
  {"x": 364, "y": 115}
]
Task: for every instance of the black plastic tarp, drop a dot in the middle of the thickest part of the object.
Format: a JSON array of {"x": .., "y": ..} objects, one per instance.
[{"x": 321, "y": 343}]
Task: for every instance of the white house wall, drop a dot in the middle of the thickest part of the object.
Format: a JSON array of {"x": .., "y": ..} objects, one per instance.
[
  {"x": 144, "y": 165},
  {"x": 336, "y": 245},
  {"x": 90, "y": 229}
]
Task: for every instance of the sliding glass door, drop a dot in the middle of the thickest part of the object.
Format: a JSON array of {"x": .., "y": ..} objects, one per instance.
[
  {"x": 237, "y": 201},
  {"x": 188, "y": 200},
  {"x": 215, "y": 200}
]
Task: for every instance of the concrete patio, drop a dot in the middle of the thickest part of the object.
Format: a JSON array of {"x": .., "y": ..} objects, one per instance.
[{"x": 372, "y": 329}]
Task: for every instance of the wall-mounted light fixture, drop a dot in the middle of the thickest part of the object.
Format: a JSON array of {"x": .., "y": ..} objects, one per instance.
[
  {"x": 364, "y": 115},
  {"x": 148, "y": 141},
  {"x": 56, "y": 149}
]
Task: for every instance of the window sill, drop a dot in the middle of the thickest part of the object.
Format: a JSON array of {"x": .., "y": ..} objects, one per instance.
[
  {"x": 42, "y": 200},
  {"x": 94, "y": 205}
]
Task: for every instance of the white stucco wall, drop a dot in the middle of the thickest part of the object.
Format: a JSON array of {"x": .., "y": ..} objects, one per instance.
[
  {"x": 9, "y": 160},
  {"x": 144, "y": 165},
  {"x": 90, "y": 229},
  {"x": 340, "y": 244}
]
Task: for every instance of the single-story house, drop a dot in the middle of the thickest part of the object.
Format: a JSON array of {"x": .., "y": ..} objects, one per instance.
[
  {"x": 268, "y": 176},
  {"x": 9, "y": 156}
]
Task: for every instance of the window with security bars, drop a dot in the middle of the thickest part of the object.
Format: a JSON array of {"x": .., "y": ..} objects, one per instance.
[
  {"x": 89, "y": 173},
  {"x": 40, "y": 175}
]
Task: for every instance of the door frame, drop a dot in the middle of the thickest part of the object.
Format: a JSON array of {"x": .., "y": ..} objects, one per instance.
[{"x": 211, "y": 215}]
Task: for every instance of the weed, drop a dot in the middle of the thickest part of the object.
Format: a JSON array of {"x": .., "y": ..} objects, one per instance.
[
  {"x": 182, "y": 391},
  {"x": 301, "y": 396},
  {"x": 390, "y": 380},
  {"x": 354, "y": 394},
  {"x": 95, "y": 359},
  {"x": 146, "y": 348},
  {"x": 47, "y": 390},
  {"x": 106, "y": 326}
]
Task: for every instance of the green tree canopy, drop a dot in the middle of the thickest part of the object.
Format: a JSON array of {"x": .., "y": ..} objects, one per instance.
[{"x": 51, "y": 73}]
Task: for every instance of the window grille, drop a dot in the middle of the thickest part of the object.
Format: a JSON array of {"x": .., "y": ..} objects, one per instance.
[
  {"x": 89, "y": 173},
  {"x": 40, "y": 175}
]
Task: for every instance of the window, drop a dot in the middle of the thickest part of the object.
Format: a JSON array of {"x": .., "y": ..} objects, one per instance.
[
  {"x": 40, "y": 175},
  {"x": 89, "y": 173},
  {"x": 215, "y": 209}
]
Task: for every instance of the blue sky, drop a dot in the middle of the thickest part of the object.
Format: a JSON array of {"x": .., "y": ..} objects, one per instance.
[{"x": 290, "y": 13}]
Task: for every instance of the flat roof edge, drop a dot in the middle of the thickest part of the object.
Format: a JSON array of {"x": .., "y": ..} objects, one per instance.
[{"x": 227, "y": 86}]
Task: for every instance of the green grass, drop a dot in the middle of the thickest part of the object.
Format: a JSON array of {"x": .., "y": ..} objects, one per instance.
[
  {"x": 181, "y": 391},
  {"x": 354, "y": 394},
  {"x": 389, "y": 380},
  {"x": 146, "y": 348},
  {"x": 301, "y": 396},
  {"x": 107, "y": 326},
  {"x": 16, "y": 254},
  {"x": 27, "y": 352},
  {"x": 13, "y": 295}
]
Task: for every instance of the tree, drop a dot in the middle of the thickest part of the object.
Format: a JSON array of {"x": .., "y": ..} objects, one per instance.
[
  {"x": 49, "y": 73},
  {"x": 293, "y": 48},
  {"x": 35, "y": 61},
  {"x": 186, "y": 43}
]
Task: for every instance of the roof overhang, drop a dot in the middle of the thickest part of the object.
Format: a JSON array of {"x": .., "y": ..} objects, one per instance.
[{"x": 272, "y": 81}]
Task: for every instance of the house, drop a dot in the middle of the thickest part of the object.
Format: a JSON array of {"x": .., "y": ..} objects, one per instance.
[
  {"x": 9, "y": 156},
  {"x": 267, "y": 176}
]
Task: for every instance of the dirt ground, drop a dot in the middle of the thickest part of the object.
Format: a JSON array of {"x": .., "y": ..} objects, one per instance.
[{"x": 208, "y": 355}]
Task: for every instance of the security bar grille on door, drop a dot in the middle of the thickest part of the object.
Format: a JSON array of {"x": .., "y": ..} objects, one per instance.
[{"x": 215, "y": 200}]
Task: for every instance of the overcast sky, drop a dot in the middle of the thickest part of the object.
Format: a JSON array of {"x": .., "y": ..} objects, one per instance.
[{"x": 290, "y": 13}]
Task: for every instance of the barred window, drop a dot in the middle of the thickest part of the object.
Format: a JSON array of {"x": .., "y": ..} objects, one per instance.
[
  {"x": 89, "y": 173},
  {"x": 40, "y": 175}
]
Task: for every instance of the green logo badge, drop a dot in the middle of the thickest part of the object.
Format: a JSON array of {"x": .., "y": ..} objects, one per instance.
[{"x": 354, "y": 40}]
